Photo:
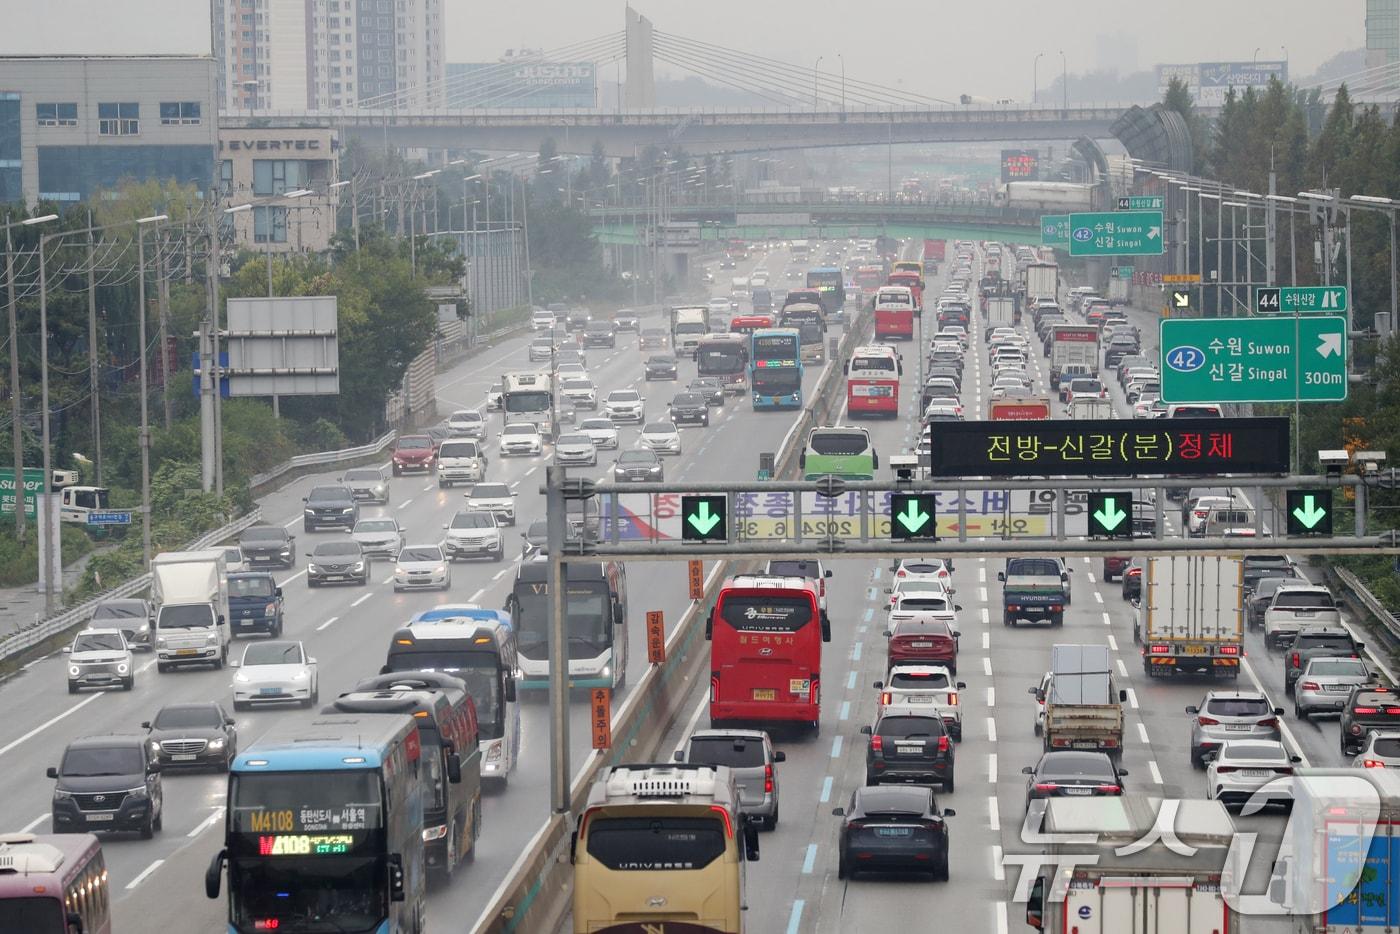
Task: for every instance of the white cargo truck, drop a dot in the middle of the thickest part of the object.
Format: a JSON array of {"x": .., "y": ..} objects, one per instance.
[
  {"x": 1118, "y": 291},
  {"x": 1042, "y": 281},
  {"x": 1072, "y": 344},
  {"x": 1001, "y": 311},
  {"x": 1111, "y": 867},
  {"x": 190, "y": 593},
  {"x": 1192, "y": 616}
]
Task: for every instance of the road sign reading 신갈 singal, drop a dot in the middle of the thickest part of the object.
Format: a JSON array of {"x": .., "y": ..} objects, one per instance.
[
  {"x": 1054, "y": 230},
  {"x": 912, "y": 516},
  {"x": 1309, "y": 512},
  {"x": 1287, "y": 300},
  {"x": 1116, "y": 233},
  {"x": 1272, "y": 359},
  {"x": 1141, "y": 203}
]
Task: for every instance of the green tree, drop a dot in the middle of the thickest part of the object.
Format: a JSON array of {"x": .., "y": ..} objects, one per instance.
[{"x": 1178, "y": 98}]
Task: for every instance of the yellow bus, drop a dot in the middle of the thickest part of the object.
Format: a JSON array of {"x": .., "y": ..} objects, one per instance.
[
  {"x": 662, "y": 847},
  {"x": 908, "y": 265}
]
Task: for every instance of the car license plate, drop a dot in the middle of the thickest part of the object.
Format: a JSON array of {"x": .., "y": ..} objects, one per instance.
[
  {"x": 266, "y": 691},
  {"x": 892, "y": 831},
  {"x": 1195, "y": 650},
  {"x": 910, "y": 749},
  {"x": 1085, "y": 744},
  {"x": 186, "y": 651},
  {"x": 1304, "y": 613},
  {"x": 1255, "y": 773},
  {"x": 183, "y": 757},
  {"x": 920, "y": 699},
  {"x": 1239, "y": 728},
  {"x": 765, "y": 694},
  {"x": 100, "y": 817},
  {"x": 1078, "y": 791},
  {"x": 921, "y": 645}
]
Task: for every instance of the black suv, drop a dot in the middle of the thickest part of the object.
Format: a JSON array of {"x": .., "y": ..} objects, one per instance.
[
  {"x": 192, "y": 735},
  {"x": 909, "y": 748},
  {"x": 107, "y": 783},
  {"x": 268, "y": 545},
  {"x": 893, "y": 828},
  {"x": 690, "y": 408},
  {"x": 1368, "y": 708},
  {"x": 330, "y": 507},
  {"x": 577, "y": 319},
  {"x": 600, "y": 334}
]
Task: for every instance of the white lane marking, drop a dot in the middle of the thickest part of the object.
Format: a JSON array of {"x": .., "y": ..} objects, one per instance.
[
  {"x": 405, "y": 503},
  {"x": 363, "y": 599},
  {"x": 207, "y": 822},
  {"x": 999, "y": 913},
  {"x": 1132, "y": 698},
  {"x": 1090, "y": 575},
  {"x": 35, "y": 822},
  {"x": 476, "y": 596},
  {"x": 987, "y": 666},
  {"x": 284, "y": 583},
  {"x": 991, "y": 697},
  {"x": 1107, "y": 620},
  {"x": 998, "y": 873},
  {"x": 836, "y": 748},
  {"x": 1258, "y": 686},
  {"x": 986, "y": 616},
  {"x": 288, "y": 525},
  {"x": 1156, "y": 773},
  {"x": 49, "y": 722},
  {"x": 1112, "y": 642},
  {"x": 145, "y": 666},
  {"x": 992, "y": 769},
  {"x": 327, "y": 624},
  {"x": 986, "y": 640},
  {"x": 427, "y": 488},
  {"x": 993, "y": 813},
  {"x": 1098, "y": 596},
  {"x": 1122, "y": 668},
  {"x": 981, "y": 573},
  {"x": 502, "y": 573},
  {"x": 1142, "y": 732},
  {"x": 141, "y": 876},
  {"x": 991, "y": 730},
  {"x": 982, "y": 594}
]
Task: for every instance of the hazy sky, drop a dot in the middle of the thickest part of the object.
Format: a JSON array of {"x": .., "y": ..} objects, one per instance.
[{"x": 941, "y": 48}]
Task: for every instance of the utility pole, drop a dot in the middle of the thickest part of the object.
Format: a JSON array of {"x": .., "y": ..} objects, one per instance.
[
  {"x": 1271, "y": 228},
  {"x": 95, "y": 403},
  {"x": 16, "y": 427},
  {"x": 163, "y": 297}
]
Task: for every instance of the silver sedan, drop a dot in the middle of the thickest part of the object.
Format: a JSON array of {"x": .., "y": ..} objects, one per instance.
[{"x": 1325, "y": 683}]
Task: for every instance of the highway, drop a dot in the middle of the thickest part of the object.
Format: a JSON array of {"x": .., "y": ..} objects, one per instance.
[{"x": 158, "y": 884}]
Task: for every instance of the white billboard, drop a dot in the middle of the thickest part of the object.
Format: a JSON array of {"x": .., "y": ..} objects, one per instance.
[
  {"x": 1209, "y": 82},
  {"x": 103, "y": 27}
]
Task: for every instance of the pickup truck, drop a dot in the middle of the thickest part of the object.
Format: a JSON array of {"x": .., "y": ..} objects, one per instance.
[
  {"x": 1034, "y": 589},
  {"x": 1296, "y": 606},
  {"x": 923, "y": 689},
  {"x": 255, "y": 603},
  {"x": 1316, "y": 642},
  {"x": 1083, "y": 707}
]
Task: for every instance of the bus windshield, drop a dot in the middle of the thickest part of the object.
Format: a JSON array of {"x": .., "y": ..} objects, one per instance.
[
  {"x": 874, "y": 365},
  {"x": 720, "y": 357},
  {"x": 40, "y": 914},
  {"x": 535, "y": 400},
  {"x": 839, "y": 442},
  {"x": 587, "y": 610},
  {"x": 480, "y": 671},
  {"x": 817, "y": 278},
  {"x": 765, "y": 613},
  {"x": 655, "y": 843}
]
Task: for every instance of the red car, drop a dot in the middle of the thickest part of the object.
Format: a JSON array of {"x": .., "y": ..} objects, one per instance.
[
  {"x": 414, "y": 452},
  {"x": 926, "y": 642},
  {"x": 1113, "y": 566}
]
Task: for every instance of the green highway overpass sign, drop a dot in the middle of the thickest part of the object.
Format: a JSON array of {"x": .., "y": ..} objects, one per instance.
[
  {"x": 1116, "y": 233},
  {"x": 1254, "y": 359},
  {"x": 1054, "y": 229},
  {"x": 1287, "y": 300},
  {"x": 1141, "y": 203}
]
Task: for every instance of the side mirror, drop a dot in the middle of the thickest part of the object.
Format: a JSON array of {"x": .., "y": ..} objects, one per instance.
[
  {"x": 865, "y": 731},
  {"x": 949, "y": 812},
  {"x": 1122, "y": 697},
  {"x": 889, "y": 590},
  {"x": 213, "y": 873},
  {"x": 1295, "y": 759},
  {"x": 838, "y": 812},
  {"x": 1360, "y": 647},
  {"x": 153, "y": 768},
  {"x": 311, "y": 661},
  {"x": 1027, "y": 770},
  {"x": 308, "y": 554},
  {"x": 145, "y": 724},
  {"x": 956, "y": 633},
  {"x": 1001, "y": 576},
  {"x": 1278, "y": 711},
  {"x": 51, "y": 772},
  {"x": 887, "y": 634},
  {"x": 74, "y": 922},
  {"x": 779, "y": 756},
  {"x": 66, "y": 649},
  {"x": 878, "y": 685},
  {"x": 277, "y": 591},
  {"x": 1122, "y": 772},
  {"x": 396, "y": 878},
  {"x": 1033, "y": 690},
  {"x": 750, "y": 842},
  {"x": 233, "y": 663},
  {"x": 678, "y": 756},
  {"x": 303, "y": 499},
  {"x": 454, "y": 768},
  {"x": 510, "y": 690},
  {"x": 229, "y": 721},
  {"x": 962, "y": 685}
]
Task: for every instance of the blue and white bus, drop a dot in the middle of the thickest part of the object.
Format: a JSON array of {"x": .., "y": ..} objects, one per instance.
[
  {"x": 324, "y": 829},
  {"x": 775, "y": 368},
  {"x": 595, "y": 623},
  {"x": 476, "y": 645}
]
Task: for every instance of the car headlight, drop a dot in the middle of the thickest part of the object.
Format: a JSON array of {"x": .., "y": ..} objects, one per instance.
[
  {"x": 493, "y": 753},
  {"x": 74, "y": 671},
  {"x": 61, "y": 795},
  {"x": 308, "y": 512},
  {"x": 348, "y": 509},
  {"x": 122, "y": 668},
  {"x": 211, "y": 637},
  {"x": 607, "y": 671},
  {"x": 300, "y": 676},
  {"x": 155, "y": 745},
  {"x": 241, "y": 678},
  {"x": 138, "y": 792},
  {"x": 359, "y": 565},
  {"x": 656, "y": 469},
  {"x": 440, "y": 569},
  {"x": 216, "y": 744},
  {"x": 160, "y": 642}
]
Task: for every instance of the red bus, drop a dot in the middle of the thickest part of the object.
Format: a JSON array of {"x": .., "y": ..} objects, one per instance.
[
  {"x": 894, "y": 313},
  {"x": 870, "y": 278},
  {"x": 56, "y": 884},
  {"x": 747, "y": 324},
  {"x": 872, "y": 381},
  {"x": 912, "y": 280},
  {"x": 766, "y": 636}
]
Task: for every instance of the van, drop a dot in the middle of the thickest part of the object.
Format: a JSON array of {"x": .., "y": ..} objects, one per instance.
[{"x": 460, "y": 460}]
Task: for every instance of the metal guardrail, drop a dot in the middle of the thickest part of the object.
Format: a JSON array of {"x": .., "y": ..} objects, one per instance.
[
  {"x": 24, "y": 639},
  {"x": 1368, "y": 600},
  {"x": 322, "y": 458}
]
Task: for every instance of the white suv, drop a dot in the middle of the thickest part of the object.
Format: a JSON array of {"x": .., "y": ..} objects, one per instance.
[
  {"x": 473, "y": 533},
  {"x": 625, "y": 405},
  {"x": 542, "y": 321}
]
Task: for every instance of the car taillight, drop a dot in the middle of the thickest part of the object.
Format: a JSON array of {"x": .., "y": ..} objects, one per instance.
[
  {"x": 1229, "y": 650},
  {"x": 1309, "y": 686},
  {"x": 1296, "y": 663},
  {"x": 1013, "y": 607},
  {"x": 943, "y": 744},
  {"x": 767, "y": 779},
  {"x": 1284, "y": 770},
  {"x": 1272, "y": 722},
  {"x": 1159, "y": 649},
  {"x": 877, "y": 743},
  {"x": 1055, "y": 608},
  {"x": 1198, "y": 513},
  {"x": 953, "y": 699},
  {"x": 1222, "y": 769},
  {"x": 1362, "y": 711},
  {"x": 1046, "y": 786},
  {"x": 1372, "y": 764},
  {"x": 1393, "y": 711},
  {"x": 1108, "y": 789},
  {"x": 901, "y": 573},
  {"x": 1207, "y": 721},
  {"x": 884, "y": 698}
]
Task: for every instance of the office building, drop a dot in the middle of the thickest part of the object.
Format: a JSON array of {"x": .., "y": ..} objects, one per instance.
[
  {"x": 1382, "y": 32},
  {"x": 72, "y": 125},
  {"x": 294, "y": 55},
  {"x": 258, "y": 165}
]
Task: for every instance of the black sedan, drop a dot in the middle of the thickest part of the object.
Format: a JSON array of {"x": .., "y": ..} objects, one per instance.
[
  {"x": 897, "y": 829},
  {"x": 1073, "y": 774},
  {"x": 533, "y": 540},
  {"x": 638, "y": 466},
  {"x": 661, "y": 366},
  {"x": 689, "y": 408},
  {"x": 192, "y": 735},
  {"x": 710, "y": 388}
]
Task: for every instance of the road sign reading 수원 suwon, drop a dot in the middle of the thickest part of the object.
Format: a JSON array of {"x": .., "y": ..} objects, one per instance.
[
  {"x": 1054, "y": 229},
  {"x": 1254, "y": 359},
  {"x": 1141, "y": 203},
  {"x": 1287, "y": 300},
  {"x": 1116, "y": 233}
]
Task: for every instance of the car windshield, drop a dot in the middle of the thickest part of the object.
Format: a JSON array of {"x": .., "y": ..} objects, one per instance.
[
  {"x": 124, "y": 609},
  {"x": 420, "y": 553},
  {"x": 636, "y": 457},
  {"x": 520, "y": 429},
  {"x": 659, "y": 428},
  {"x": 1033, "y": 567},
  {"x": 414, "y": 444},
  {"x": 257, "y": 586},
  {"x": 910, "y": 726},
  {"x": 578, "y": 440},
  {"x": 688, "y": 398},
  {"x": 99, "y": 760},
  {"x": 808, "y": 569},
  {"x": 1238, "y": 707},
  {"x": 99, "y": 642},
  {"x": 337, "y": 549},
  {"x": 376, "y": 525},
  {"x": 490, "y": 491},
  {"x": 596, "y": 424},
  {"x": 1077, "y": 765},
  {"x": 737, "y": 752},
  {"x": 272, "y": 653},
  {"x": 623, "y": 395},
  {"x": 577, "y": 382},
  {"x": 264, "y": 533},
  {"x": 1253, "y": 751},
  {"x": 328, "y": 494},
  {"x": 178, "y": 718},
  {"x": 473, "y": 520},
  {"x": 1338, "y": 668},
  {"x": 371, "y": 475},
  {"x": 466, "y": 415}
]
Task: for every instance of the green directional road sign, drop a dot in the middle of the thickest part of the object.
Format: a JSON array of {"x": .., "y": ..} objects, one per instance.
[
  {"x": 1254, "y": 359},
  {"x": 704, "y": 518},
  {"x": 1111, "y": 515},
  {"x": 1054, "y": 230},
  {"x": 1141, "y": 203},
  {"x": 1286, "y": 300},
  {"x": 1116, "y": 233},
  {"x": 912, "y": 516},
  {"x": 1309, "y": 512}
]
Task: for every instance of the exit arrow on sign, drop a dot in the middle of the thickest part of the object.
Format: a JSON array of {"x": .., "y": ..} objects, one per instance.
[
  {"x": 1309, "y": 514},
  {"x": 1329, "y": 344},
  {"x": 1110, "y": 516},
  {"x": 912, "y": 518},
  {"x": 1182, "y": 299},
  {"x": 702, "y": 519}
]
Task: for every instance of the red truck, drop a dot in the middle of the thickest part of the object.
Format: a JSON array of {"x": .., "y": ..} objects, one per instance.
[{"x": 1036, "y": 410}]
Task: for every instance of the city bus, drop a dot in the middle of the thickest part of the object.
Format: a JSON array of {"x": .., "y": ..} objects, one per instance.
[
  {"x": 478, "y": 646},
  {"x": 894, "y": 313},
  {"x": 595, "y": 621},
  {"x": 527, "y": 397},
  {"x": 324, "y": 829},
  {"x": 775, "y": 369},
  {"x": 872, "y": 381},
  {"x": 747, "y": 324},
  {"x": 725, "y": 356},
  {"x": 53, "y": 884},
  {"x": 870, "y": 278},
  {"x": 661, "y": 848},
  {"x": 810, "y": 324},
  {"x": 766, "y": 635},
  {"x": 829, "y": 281},
  {"x": 910, "y": 280},
  {"x": 447, "y": 724},
  {"x": 841, "y": 451}
]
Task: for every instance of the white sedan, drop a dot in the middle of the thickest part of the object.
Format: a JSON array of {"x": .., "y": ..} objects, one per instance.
[
  {"x": 1240, "y": 768},
  {"x": 378, "y": 536},
  {"x": 422, "y": 566},
  {"x": 275, "y": 672},
  {"x": 601, "y": 430},
  {"x": 661, "y": 437},
  {"x": 1007, "y": 386},
  {"x": 521, "y": 438}
]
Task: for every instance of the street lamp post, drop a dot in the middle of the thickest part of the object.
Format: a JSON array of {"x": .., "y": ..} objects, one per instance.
[
  {"x": 17, "y": 431},
  {"x": 1064, "y": 81},
  {"x": 145, "y": 439},
  {"x": 1389, "y": 206},
  {"x": 1035, "y": 77}
]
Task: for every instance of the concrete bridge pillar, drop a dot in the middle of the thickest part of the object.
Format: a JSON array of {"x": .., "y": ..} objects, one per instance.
[{"x": 639, "y": 91}]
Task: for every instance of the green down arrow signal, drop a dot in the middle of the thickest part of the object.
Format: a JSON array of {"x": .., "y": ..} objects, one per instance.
[
  {"x": 1110, "y": 516},
  {"x": 1310, "y": 514},
  {"x": 912, "y": 518},
  {"x": 702, "y": 519}
]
